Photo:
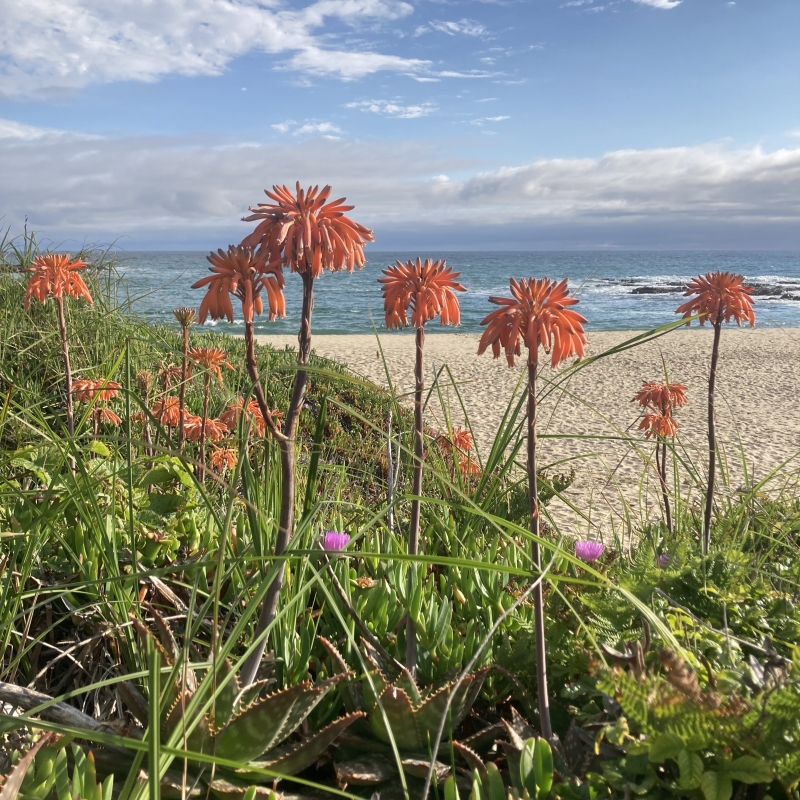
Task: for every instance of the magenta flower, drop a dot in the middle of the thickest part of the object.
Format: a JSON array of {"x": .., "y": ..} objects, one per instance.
[
  {"x": 664, "y": 561},
  {"x": 333, "y": 540},
  {"x": 589, "y": 551}
]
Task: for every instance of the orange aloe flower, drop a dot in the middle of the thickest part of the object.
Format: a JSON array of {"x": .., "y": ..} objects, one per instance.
[
  {"x": 231, "y": 415},
  {"x": 304, "y": 233},
  {"x": 211, "y": 359},
  {"x": 87, "y": 390},
  {"x": 426, "y": 288},
  {"x": 105, "y": 414},
  {"x": 241, "y": 273},
  {"x": 661, "y": 396},
  {"x": 539, "y": 313},
  {"x": 216, "y": 430},
  {"x": 222, "y": 459},
  {"x": 167, "y": 411},
  {"x": 461, "y": 440},
  {"x": 718, "y": 296},
  {"x": 54, "y": 275},
  {"x": 658, "y": 424}
]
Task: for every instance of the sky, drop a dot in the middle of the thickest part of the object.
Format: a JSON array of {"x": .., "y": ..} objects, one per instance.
[{"x": 449, "y": 124}]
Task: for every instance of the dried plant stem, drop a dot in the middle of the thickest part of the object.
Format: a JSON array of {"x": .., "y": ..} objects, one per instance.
[
  {"x": 712, "y": 439},
  {"x": 661, "y": 468},
  {"x": 286, "y": 442},
  {"x": 536, "y": 556},
  {"x": 62, "y": 329},
  {"x": 416, "y": 490},
  {"x": 182, "y": 392},
  {"x": 206, "y": 390}
]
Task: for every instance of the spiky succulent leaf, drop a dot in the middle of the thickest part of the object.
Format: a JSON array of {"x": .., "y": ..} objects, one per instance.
[
  {"x": 352, "y": 693},
  {"x": 406, "y": 682},
  {"x": 293, "y": 758},
  {"x": 227, "y": 688},
  {"x": 401, "y": 719},
  {"x": 365, "y": 770},
  {"x": 196, "y": 740},
  {"x": 418, "y": 768},
  {"x": 231, "y": 789},
  {"x": 430, "y": 713},
  {"x": 473, "y": 760},
  {"x": 269, "y": 721},
  {"x": 374, "y": 684}
]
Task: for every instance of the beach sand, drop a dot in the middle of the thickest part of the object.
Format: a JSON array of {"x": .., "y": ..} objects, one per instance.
[{"x": 758, "y": 383}]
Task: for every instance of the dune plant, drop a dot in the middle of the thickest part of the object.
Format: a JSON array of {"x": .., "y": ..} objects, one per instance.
[
  {"x": 307, "y": 235},
  {"x": 427, "y": 289},
  {"x": 539, "y": 313},
  {"x": 658, "y": 401},
  {"x": 717, "y": 297},
  {"x": 99, "y": 392},
  {"x": 185, "y": 316},
  {"x": 54, "y": 275}
]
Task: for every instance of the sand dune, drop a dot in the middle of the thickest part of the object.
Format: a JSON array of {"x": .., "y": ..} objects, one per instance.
[{"x": 758, "y": 385}]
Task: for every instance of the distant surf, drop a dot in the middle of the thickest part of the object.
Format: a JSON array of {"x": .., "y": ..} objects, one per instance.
[{"x": 618, "y": 290}]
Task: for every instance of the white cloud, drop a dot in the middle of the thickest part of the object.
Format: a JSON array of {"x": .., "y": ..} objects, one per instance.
[
  {"x": 57, "y": 45},
  {"x": 665, "y": 4},
  {"x": 183, "y": 186},
  {"x": 467, "y": 27},
  {"x": 317, "y": 127},
  {"x": 392, "y": 108},
  {"x": 484, "y": 120}
]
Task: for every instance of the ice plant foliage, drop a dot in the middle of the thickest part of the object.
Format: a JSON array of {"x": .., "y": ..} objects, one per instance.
[
  {"x": 538, "y": 313},
  {"x": 589, "y": 551},
  {"x": 334, "y": 540},
  {"x": 426, "y": 288},
  {"x": 306, "y": 233},
  {"x": 54, "y": 275},
  {"x": 718, "y": 296}
]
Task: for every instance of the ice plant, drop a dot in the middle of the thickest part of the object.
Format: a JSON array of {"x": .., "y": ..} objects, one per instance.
[
  {"x": 538, "y": 313},
  {"x": 307, "y": 235},
  {"x": 54, "y": 275},
  {"x": 717, "y": 297},
  {"x": 212, "y": 360},
  {"x": 659, "y": 400},
  {"x": 333, "y": 540},
  {"x": 185, "y": 316},
  {"x": 589, "y": 551},
  {"x": 426, "y": 289}
]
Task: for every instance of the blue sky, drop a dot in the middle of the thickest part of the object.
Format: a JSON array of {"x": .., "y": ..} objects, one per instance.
[{"x": 519, "y": 124}]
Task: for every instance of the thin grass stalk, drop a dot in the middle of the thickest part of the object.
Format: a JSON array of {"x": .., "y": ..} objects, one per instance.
[
  {"x": 536, "y": 556},
  {"x": 206, "y": 391},
  {"x": 286, "y": 447},
  {"x": 712, "y": 439},
  {"x": 62, "y": 329}
]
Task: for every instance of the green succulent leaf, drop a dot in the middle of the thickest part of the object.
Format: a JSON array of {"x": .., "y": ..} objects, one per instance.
[
  {"x": 198, "y": 738},
  {"x": 401, "y": 719},
  {"x": 365, "y": 770},
  {"x": 429, "y": 714}
]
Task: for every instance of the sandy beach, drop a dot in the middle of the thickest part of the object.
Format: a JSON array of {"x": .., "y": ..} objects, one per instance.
[{"x": 758, "y": 384}]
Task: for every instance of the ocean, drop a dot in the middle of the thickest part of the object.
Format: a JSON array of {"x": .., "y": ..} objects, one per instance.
[{"x": 617, "y": 290}]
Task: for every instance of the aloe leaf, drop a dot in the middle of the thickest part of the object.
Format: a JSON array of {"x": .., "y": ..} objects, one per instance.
[
  {"x": 374, "y": 685},
  {"x": 229, "y": 789},
  {"x": 418, "y": 768},
  {"x": 365, "y": 770},
  {"x": 473, "y": 760},
  {"x": 401, "y": 719},
  {"x": 352, "y": 693},
  {"x": 199, "y": 737},
  {"x": 406, "y": 682},
  {"x": 269, "y": 721},
  {"x": 430, "y": 712},
  {"x": 227, "y": 691},
  {"x": 294, "y": 758}
]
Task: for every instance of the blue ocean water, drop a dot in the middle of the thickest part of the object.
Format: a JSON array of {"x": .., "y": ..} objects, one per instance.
[{"x": 617, "y": 290}]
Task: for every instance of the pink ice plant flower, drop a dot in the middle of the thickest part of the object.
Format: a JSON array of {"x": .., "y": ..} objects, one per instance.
[
  {"x": 589, "y": 551},
  {"x": 333, "y": 540}
]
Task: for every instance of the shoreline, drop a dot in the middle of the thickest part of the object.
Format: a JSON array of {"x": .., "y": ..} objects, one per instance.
[{"x": 758, "y": 382}]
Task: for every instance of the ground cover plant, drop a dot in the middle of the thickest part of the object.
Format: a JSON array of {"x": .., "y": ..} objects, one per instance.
[{"x": 169, "y": 629}]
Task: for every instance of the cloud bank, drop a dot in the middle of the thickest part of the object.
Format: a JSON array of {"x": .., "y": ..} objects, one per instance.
[
  {"x": 161, "y": 190},
  {"x": 50, "y": 46}
]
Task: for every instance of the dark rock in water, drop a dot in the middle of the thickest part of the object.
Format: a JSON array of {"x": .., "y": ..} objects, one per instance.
[
  {"x": 671, "y": 289},
  {"x": 787, "y": 296}
]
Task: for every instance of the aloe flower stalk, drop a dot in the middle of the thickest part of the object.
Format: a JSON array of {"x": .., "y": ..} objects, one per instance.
[
  {"x": 717, "y": 297},
  {"x": 185, "y": 317},
  {"x": 539, "y": 313}
]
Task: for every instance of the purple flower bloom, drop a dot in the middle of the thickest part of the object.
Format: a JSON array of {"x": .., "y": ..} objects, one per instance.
[
  {"x": 333, "y": 540},
  {"x": 664, "y": 561},
  {"x": 589, "y": 551}
]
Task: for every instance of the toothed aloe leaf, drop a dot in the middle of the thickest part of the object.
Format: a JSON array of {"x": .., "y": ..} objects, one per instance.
[
  {"x": 198, "y": 738},
  {"x": 418, "y": 768},
  {"x": 406, "y": 682},
  {"x": 473, "y": 760},
  {"x": 229, "y": 789},
  {"x": 352, "y": 693},
  {"x": 430, "y": 713},
  {"x": 401, "y": 720},
  {"x": 294, "y": 758},
  {"x": 374, "y": 684},
  {"x": 269, "y": 721},
  {"x": 173, "y": 786},
  {"x": 365, "y": 770},
  {"x": 227, "y": 692}
]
